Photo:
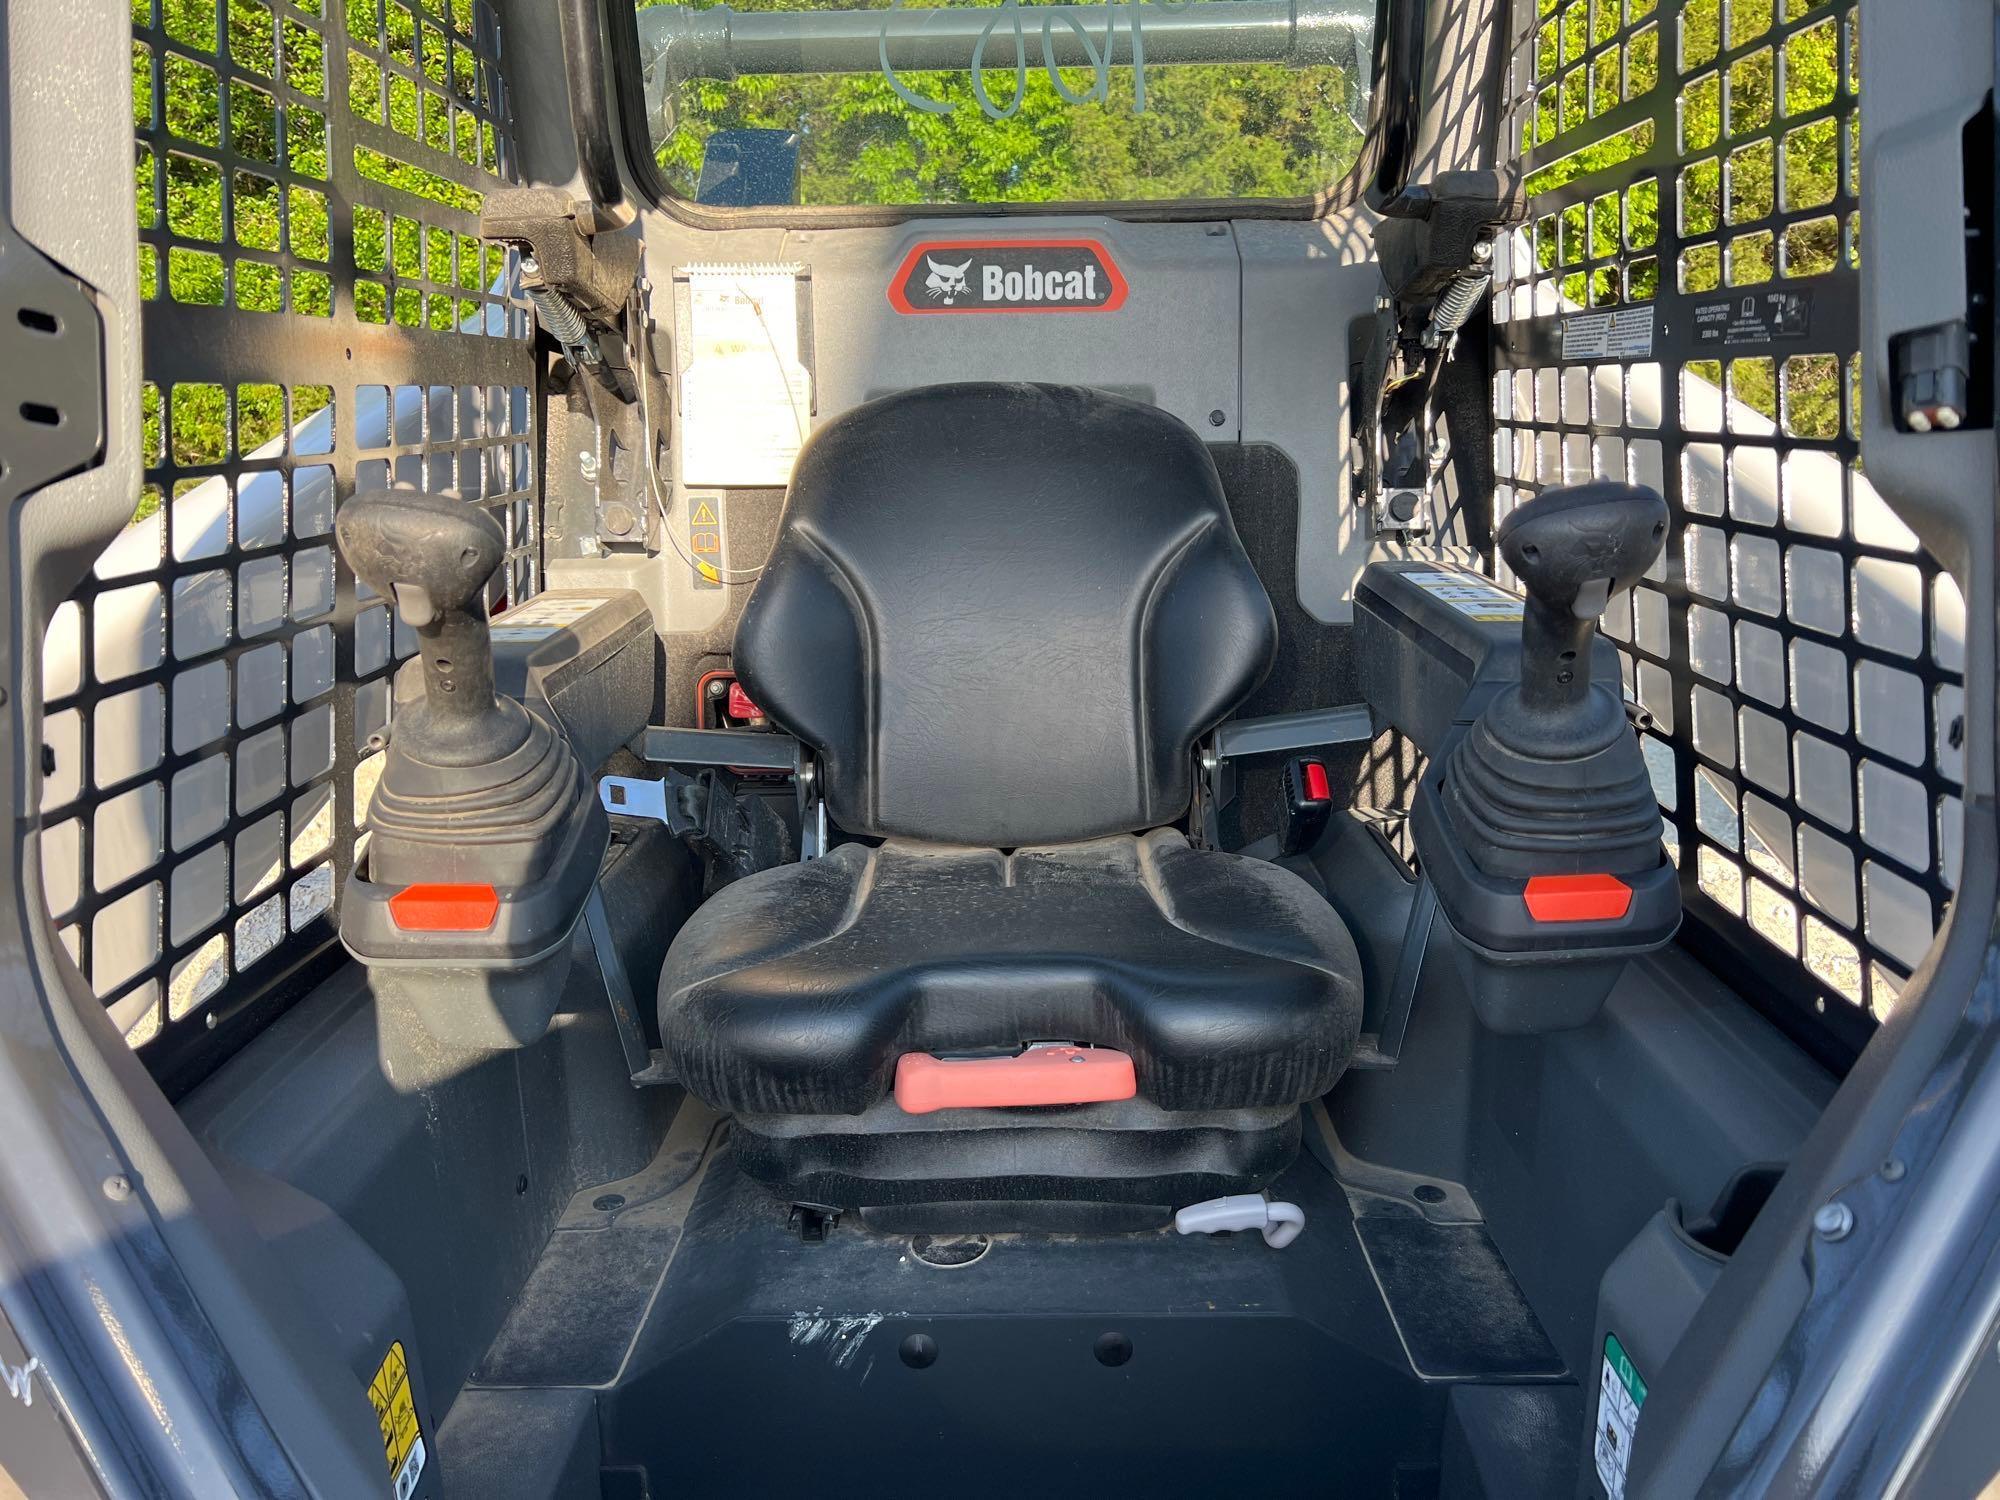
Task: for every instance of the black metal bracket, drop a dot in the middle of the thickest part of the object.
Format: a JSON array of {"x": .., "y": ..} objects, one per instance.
[
  {"x": 1409, "y": 969},
  {"x": 1436, "y": 254},
  {"x": 648, "y": 1067},
  {"x": 581, "y": 283},
  {"x": 52, "y": 367},
  {"x": 1343, "y": 724},
  {"x": 813, "y": 1222},
  {"x": 741, "y": 749},
  {"x": 1214, "y": 787}
]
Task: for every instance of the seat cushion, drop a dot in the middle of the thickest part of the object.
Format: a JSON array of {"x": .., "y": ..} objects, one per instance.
[{"x": 1229, "y": 982}]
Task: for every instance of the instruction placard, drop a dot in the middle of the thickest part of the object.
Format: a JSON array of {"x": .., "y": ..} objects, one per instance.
[
  {"x": 541, "y": 618},
  {"x": 1470, "y": 595},
  {"x": 396, "y": 1413},
  {"x": 1620, "y": 1394},
  {"x": 746, "y": 396},
  {"x": 1624, "y": 333}
]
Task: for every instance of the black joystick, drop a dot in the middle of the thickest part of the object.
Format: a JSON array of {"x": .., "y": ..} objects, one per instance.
[
  {"x": 430, "y": 556},
  {"x": 475, "y": 787},
  {"x": 1550, "y": 779},
  {"x": 1573, "y": 549}
]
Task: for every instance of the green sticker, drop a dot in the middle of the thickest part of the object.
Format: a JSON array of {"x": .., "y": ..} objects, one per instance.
[
  {"x": 1621, "y": 1365},
  {"x": 1620, "y": 1394}
]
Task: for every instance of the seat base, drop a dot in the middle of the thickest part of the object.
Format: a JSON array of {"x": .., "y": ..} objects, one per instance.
[
  {"x": 1093, "y": 1167},
  {"x": 790, "y": 999}
]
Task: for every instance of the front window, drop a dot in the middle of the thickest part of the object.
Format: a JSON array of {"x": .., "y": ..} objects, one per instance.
[{"x": 971, "y": 102}]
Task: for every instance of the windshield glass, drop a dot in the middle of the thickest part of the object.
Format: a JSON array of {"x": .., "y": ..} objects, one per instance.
[{"x": 973, "y": 102}]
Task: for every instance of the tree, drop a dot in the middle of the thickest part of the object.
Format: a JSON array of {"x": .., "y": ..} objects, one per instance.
[{"x": 1251, "y": 131}]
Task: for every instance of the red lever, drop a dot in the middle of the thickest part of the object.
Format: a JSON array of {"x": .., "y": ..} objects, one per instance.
[
  {"x": 1040, "y": 1075},
  {"x": 1577, "y": 898},
  {"x": 444, "y": 908},
  {"x": 1318, "y": 788},
  {"x": 740, "y": 706}
]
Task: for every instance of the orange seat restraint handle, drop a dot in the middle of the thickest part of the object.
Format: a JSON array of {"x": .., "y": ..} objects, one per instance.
[
  {"x": 1040, "y": 1075},
  {"x": 1577, "y": 898}
]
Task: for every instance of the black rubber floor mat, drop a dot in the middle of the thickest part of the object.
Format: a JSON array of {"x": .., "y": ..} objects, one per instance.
[
  {"x": 582, "y": 1305},
  {"x": 1053, "y": 1364},
  {"x": 1456, "y": 1306}
]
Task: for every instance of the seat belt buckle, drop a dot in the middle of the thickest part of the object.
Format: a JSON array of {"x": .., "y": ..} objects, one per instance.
[
  {"x": 1043, "y": 1073},
  {"x": 1308, "y": 804}
]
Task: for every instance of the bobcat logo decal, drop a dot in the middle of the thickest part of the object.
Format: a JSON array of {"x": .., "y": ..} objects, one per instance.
[
  {"x": 1021, "y": 274},
  {"x": 946, "y": 284}
]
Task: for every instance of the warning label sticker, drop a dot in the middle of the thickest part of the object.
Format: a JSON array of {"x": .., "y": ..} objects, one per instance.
[
  {"x": 1625, "y": 333},
  {"x": 704, "y": 536},
  {"x": 539, "y": 619},
  {"x": 396, "y": 1413},
  {"x": 1620, "y": 1394},
  {"x": 1470, "y": 594}
]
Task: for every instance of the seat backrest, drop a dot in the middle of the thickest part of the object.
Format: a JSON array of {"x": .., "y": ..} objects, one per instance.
[{"x": 1002, "y": 614}]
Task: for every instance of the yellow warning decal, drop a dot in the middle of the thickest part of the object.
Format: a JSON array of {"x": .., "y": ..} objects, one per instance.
[
  {"x": 396, "y": 1412},
  {"x": 703, "y": 516}
]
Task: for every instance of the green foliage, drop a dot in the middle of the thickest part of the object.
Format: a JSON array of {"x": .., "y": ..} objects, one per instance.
[
  {"x": 1741, "y": 162},
  {"x": 1253, "y": 131},
  {"x": 279, "y": 203}
]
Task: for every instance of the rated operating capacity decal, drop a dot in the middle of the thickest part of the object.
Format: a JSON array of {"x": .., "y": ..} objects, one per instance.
[{"x": 1014, "y": 276}]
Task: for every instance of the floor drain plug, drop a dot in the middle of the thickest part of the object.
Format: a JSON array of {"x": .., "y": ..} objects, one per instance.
[{"x": 949, "y": 1251}]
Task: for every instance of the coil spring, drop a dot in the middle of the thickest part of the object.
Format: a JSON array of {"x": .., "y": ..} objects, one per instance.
[
  {"x": 562, "y": 321},
  {"x": 1456, "y": 303}
]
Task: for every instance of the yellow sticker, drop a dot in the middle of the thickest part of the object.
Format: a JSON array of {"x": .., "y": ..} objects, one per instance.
[{"x": 396, "y": 1413}]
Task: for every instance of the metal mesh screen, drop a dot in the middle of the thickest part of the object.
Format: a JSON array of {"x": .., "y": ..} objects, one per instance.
[
  {"x": 1681, "y": 310},
  {"x": 321, "y": 315}
]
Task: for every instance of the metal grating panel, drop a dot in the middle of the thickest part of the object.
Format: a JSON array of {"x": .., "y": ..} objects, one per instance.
[
  {"x": 1696, "y": 166},
  {"x": 321, "y": 315}
]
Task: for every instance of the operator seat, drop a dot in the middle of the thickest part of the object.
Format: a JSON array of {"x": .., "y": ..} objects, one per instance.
[{"x": 1001, "y": 616}]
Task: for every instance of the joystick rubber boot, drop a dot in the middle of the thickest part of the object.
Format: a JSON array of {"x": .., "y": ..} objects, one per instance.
[
  {"x": 475, "y": 790},
  {"x": 1549, "y": 780}
]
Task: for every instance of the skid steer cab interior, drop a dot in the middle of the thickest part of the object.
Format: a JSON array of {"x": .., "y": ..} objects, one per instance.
[{"x": 1021, "y": 748}]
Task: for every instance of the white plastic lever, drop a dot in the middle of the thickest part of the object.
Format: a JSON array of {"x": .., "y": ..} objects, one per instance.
[{"x": 1280, "y": 1222}]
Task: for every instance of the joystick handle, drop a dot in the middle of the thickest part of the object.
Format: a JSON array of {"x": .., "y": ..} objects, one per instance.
[
  {"x": 1573, "y": 548},
  {"x": 431, "y": 556}
]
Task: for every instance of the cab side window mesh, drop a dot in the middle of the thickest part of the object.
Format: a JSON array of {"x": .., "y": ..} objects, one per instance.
[
  {"x": 1681, "y": 309},
  {"x": 320, "y": 315}
]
